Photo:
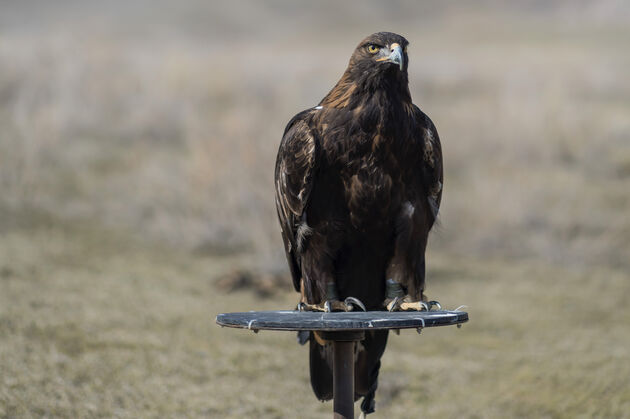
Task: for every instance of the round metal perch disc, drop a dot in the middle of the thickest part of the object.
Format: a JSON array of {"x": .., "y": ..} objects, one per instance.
[{"x": 340, "y": 321}]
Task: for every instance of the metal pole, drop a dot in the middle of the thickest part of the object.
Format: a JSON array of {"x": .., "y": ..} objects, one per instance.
[{"x": 343, "y": 379}]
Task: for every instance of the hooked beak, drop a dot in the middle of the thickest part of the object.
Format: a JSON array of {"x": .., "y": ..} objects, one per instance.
[{"x": 396, "y": 56}]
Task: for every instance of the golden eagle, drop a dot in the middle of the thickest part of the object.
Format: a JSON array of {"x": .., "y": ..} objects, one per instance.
[{"x": 358, "y": 183}]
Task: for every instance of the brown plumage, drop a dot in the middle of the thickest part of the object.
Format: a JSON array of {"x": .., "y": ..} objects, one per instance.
[{"x": 358, "y": 187}]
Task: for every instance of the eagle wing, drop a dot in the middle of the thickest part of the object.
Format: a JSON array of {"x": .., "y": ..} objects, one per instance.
[
  {"x": 432, "y": 168},
  {"x": 296, "y": 166}
]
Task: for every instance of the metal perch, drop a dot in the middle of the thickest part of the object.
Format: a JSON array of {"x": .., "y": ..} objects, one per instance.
[{"x": 344, "y": 329}]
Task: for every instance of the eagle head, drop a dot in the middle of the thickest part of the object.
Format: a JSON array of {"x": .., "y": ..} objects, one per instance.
[
  {"x": 382, "y": 51},
  {"x": 379, "y": 63}
]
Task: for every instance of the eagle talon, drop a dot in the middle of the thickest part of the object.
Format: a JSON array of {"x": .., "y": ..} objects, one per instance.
[
  {"x": 350, "y": 302},
  {"x": 434, "y": 303},
  {"x": 327, "y": 306},
  {"x": 394, "y": 304},
  {"x": 403, "y": 304}
]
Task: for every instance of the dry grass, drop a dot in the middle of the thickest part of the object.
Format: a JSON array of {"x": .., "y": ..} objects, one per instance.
[
  {"x": 136, "y": 156},
  {"x": 95, "y": 325}
]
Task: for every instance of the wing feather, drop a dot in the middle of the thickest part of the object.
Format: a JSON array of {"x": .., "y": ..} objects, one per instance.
[
  {"x": 296, "y": 166},
  {"x": 432, "y": 166}
]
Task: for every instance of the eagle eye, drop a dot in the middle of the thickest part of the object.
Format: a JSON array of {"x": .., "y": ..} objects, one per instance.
[{"x": 373, "y": 49}]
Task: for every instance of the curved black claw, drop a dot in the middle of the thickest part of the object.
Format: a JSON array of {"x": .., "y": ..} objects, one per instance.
[
  {"x": 350, "y": 302},
  {"x": 301, "y": 306},
  {"x": 395, "y": 303},
  {"x": 432, "y": 303},
  {"x": 327, "y": 306}
]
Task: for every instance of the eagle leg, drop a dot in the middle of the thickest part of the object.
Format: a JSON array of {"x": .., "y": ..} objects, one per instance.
[{"x": 331, "y": 303}]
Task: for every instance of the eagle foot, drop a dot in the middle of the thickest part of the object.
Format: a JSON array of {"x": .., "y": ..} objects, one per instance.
[
  {"x": 405, "y": 304},
  {"x": 328, "y": 306}
]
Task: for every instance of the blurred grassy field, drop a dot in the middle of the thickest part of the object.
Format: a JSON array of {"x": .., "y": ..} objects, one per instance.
[{"x": 137, "y": 143}]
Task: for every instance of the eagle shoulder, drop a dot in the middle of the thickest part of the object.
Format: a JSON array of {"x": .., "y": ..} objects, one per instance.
[{"x": 296, "y": 163}]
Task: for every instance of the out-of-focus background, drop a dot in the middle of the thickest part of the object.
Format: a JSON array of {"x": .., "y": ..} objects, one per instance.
[{"x": 137, "y": 144}]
